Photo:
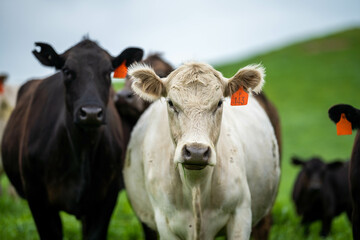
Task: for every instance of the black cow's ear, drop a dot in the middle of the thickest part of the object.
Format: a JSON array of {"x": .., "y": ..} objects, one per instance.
[
  {"x": 47, "y": 56},
  {"x": 334, "y": 165},
  {"x": 352, "y": 114},
  {"x": 297, "y": 161},
  {"x": 130, "y": 55}
]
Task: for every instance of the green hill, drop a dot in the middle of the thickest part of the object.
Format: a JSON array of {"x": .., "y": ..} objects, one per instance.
[{"x": 303, "y": 80}]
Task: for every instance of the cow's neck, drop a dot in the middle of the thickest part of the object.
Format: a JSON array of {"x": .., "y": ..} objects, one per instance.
[{"x": 197, "y": 186}]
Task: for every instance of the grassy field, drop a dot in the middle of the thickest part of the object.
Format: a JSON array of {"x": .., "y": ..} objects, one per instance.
[{"x": 303, "y": 80}]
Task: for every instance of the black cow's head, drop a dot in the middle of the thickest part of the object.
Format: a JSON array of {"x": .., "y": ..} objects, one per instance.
[
  {"x": 86, "y": 70},
  {"x": 313, "y": 172}
]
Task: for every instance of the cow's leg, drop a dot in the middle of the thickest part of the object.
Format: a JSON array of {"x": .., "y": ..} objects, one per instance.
[
  {"x": 326, "y": 226},
  {"x": 261, "y": 230},
  {"x": 96, "y": 222},
  {"x": 162, "y": 225},
  {"x": 239, "y": 225},
  {"x": 149, "y": 234},
  {"x": 47, "y": 219},
  {"x": 356, "y": 223}
]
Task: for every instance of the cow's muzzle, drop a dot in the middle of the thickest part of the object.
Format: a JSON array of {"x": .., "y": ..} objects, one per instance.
[
  {"x": 196, "y": 156},
  {"x": 90, "y": 116}
]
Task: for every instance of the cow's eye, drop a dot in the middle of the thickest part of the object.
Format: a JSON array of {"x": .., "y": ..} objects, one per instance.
[
  {"x": 220, "y": 103},
  {"x": 108, "y": 76},
  {"x": 171, "y": 105},
  {"x": 68, "y": 74}
]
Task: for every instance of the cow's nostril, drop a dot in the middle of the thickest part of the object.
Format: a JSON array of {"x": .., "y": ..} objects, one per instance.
[
  {"x": 129, "y": 95},
  {"x": 100, "y": 114},
  {"x": 187, "y": 153},
  {"x": 207, "y": 154},
  {"x": 83, "y": 113}
]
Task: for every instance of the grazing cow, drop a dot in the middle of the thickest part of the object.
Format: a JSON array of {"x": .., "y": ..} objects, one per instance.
[
  {"x": 321, "y": 192},
  {"x": 195, "y": 165},
  {"x": 7, "y": 104},
  {"x": 353, "y": 115},
  {"x": 63, "y": 146},
  {"x": 129, "y": 105}
]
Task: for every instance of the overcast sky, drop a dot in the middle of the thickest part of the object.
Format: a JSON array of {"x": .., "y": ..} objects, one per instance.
[{"x": 213, "y": 31}]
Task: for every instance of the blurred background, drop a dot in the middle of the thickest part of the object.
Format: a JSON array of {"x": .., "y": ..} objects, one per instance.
[
  {"x": 310, "y": 49},
  {"x": 204, "y": 30}
]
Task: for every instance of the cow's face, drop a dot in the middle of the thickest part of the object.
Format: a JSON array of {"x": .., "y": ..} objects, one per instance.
[
  {"x": 86, "y": 70},
  {"x": 194, "y": 94},
  {"x": 314, "y": 173}
]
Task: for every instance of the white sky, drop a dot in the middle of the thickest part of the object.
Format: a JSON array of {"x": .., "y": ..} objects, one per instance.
[{"x": 213, "y": 31}]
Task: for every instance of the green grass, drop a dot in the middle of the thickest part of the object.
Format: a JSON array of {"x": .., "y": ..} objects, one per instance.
[{"x": 303, "y": 80}]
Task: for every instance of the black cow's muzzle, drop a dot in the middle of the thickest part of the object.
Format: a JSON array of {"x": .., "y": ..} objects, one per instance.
[{"x": 90, "y": 116}]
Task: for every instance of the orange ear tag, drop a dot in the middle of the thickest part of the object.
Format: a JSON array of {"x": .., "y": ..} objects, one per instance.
[
  {"x": 1, "y": 88},
  {"x": 343, "y": 127},
  {"x": 120, "y": 71},
  {"x": 239, "y": 98}
]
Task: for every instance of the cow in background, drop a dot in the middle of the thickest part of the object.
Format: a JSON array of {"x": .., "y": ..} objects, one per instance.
[
  {"x": 353, "y": 115},
  {"x": 321, "y": 192},
  {"x": 7, "y": 103},
  {"x": 164, "y": 173},
  {"x": 63, "y": 146},
  {"x": 129, "y": 105}
]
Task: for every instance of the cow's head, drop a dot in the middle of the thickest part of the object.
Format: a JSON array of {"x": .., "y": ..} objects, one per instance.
[
  {"x": 313, "y": 172},
  {"x": 194, "y": 94},
  {"x": 131, "y": 106},
  {"x": 86, "y": 70}
]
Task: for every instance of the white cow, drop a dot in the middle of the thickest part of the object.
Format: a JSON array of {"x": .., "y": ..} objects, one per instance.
[{"x": 196, "y": 165}]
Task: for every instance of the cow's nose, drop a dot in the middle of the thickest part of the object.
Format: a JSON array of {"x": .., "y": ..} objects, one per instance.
[
  {"x": 90, "y": 115},
  {"x": 196, "y": 156}
]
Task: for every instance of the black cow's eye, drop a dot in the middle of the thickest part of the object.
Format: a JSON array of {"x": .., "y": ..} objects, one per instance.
[{"x": 68, "y": 74}]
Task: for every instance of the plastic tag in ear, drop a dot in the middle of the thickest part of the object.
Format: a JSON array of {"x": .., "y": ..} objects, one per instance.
[
  {"x": 1, "y": 88},
  {"x": 239, "y": 98},
  {"x": 343, "y": 127},
  {"x": 120, "y": 71}
]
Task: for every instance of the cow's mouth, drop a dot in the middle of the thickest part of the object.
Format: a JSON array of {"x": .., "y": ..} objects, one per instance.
[{"x": 194, "y": 166}]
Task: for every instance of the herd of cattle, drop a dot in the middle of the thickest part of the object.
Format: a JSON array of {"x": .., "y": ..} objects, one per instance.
[{"x": 193, "y": 166}]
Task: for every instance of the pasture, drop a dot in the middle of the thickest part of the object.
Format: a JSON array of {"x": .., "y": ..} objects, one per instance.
[{"x": 303, "y": 80}]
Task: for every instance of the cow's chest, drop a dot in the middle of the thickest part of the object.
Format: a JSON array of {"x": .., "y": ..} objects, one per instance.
[{"x": 186, "y": 224}]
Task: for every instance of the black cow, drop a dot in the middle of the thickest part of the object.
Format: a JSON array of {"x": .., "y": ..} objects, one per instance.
[
  {"x": 353, "y": 115},
  {"x": 321, "y": 192},
  {"x": 63, "y": 146}
]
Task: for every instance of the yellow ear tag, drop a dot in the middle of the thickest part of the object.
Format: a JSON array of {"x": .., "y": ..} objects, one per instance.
[
  {"x": 120, "y": 71},
  {"x": 239, "y": 98},
  {"x": 343, "y": 127}
]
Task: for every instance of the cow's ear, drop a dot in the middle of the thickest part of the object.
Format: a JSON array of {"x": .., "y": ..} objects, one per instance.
[
  {"x": 48, "y": 56},
  {"x": 129, "y": 55},
  {"x": 334, "y": 165},
  {"x": 352, "y": 114},
  {"x": 251, "y": 78},
  {"x": 297, "y": 161},
  {"x": 146, "y": 83}
]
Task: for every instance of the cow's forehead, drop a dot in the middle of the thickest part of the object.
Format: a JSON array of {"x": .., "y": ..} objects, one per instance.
[{"x": 195, "y": 82}]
